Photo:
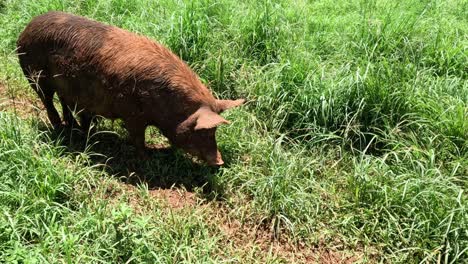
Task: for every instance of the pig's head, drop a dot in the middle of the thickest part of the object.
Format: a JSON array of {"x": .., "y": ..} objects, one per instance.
[{"x": 196, "y": 134}]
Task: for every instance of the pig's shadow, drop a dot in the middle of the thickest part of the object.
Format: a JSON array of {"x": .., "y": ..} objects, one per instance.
[{"x": 165, "y": 168}]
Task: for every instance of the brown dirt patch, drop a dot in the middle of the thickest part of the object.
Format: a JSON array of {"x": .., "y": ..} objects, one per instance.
[
  {"x": 175, "y": 198},
  {"x": 22, "y": 105},
  {"x": 140, "y": 200},
  {"x": 248, "y": 240},
  {"x": 243, "y": 237}
]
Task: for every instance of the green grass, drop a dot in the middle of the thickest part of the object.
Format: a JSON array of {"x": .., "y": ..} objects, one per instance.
[{"x": 354, "y": 138}]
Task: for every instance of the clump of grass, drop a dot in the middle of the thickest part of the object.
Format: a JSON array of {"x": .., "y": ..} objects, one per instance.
[
  {"x": 411, "y": 203},
  {"x": 190, "y": 31},
  {"x": 261, "y": 35}
]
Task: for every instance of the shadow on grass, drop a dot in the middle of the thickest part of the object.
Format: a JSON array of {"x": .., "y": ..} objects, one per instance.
[{"x": 165, "y": 168}]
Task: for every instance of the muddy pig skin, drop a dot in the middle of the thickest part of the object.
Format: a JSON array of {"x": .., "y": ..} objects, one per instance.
[{"x": 98, "y": 69}]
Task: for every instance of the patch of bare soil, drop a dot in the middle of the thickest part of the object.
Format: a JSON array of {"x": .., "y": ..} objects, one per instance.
[
  {"x": 239, "y": 238},
  {"x": 244, "y": 237},
  {"x": 175, "y": 198},
  {"x": 21, "y": 105}
]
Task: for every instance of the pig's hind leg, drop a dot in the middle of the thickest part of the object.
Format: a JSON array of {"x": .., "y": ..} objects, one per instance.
[
  {"x": 67, "y": 114},
  {"x": 46, "y": 94},
  {"x": 85, "y": 120}
]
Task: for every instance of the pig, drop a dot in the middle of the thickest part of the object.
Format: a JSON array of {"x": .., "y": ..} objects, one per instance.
[{"x": 99, "y": 69}]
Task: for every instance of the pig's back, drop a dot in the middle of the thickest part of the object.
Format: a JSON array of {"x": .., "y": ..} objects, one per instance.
[{"x": 101, "y": 67}]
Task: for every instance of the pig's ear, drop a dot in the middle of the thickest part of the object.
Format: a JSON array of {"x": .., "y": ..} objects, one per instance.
[
  {"x": 209, "y": 119},
  {"x": 226, "y": 104}
]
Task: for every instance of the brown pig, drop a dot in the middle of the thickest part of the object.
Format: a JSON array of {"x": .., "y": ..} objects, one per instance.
[{"x": 98, "y": 69}]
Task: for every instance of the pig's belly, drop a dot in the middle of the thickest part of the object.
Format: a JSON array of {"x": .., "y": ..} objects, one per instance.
[
  {"x": 87, "y": 93},
  {"x": 84, "y": 88}
]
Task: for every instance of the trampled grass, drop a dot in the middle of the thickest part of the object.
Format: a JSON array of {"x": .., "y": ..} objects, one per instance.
[{"x": 353, "y": 140}]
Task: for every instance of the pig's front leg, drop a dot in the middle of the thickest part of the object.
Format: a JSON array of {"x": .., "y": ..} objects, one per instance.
[{"x": 137, "y": 136}]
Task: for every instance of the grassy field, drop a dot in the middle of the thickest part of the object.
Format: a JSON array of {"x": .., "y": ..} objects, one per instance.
[{"x": 353, "y": 145}]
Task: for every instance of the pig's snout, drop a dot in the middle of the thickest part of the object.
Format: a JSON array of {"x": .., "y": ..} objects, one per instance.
[
  {"x": 219, "y": 162},
  {"x": 214, "y": 160}
]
